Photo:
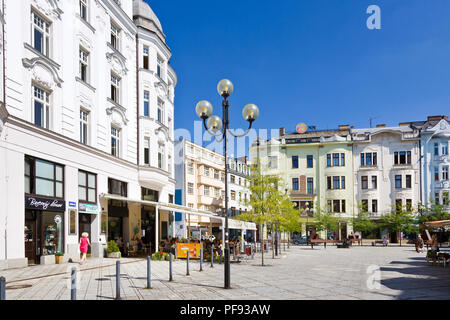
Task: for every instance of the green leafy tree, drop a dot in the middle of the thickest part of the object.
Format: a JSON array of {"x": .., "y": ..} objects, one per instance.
[
  {"x": 325, "y": 220},
  {"x": 401, "y": 219},
  {"x": 362, "y": 221}
]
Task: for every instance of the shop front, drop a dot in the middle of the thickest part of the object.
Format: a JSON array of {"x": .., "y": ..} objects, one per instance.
[
  {"x": 44, "y": 228},
  {"x": 87, "y": 214}
]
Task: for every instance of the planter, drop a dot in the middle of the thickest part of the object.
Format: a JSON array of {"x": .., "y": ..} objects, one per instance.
[
  {"x": 115, "y": 255},
  {"x": 59, "y": 259}
]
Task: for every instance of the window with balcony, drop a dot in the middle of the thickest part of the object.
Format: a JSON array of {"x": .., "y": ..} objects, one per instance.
[
  {"x": 41, "y": 104},
  {"x": 40, "y": 35}
]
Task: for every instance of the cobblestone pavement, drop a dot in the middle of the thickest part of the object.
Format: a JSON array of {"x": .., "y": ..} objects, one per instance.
[{"x": 298, "y": 273}]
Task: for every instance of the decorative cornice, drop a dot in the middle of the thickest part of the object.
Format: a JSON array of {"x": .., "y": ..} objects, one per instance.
[
  {"x": 31, "y": 64},
  {"x": 117, "y": 61},
  {"x": 119, "y": 109},
  {"x": 54, "y": 11}
]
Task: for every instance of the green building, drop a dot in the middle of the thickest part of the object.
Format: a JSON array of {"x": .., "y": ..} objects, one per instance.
[{"x": 317, "y": 170}]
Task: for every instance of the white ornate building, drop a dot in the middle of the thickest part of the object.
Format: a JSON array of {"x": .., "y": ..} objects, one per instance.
[{"x": 87, "y": 127}]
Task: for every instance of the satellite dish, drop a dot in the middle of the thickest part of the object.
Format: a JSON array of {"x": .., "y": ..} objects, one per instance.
[{"x": 301, "y": 128}]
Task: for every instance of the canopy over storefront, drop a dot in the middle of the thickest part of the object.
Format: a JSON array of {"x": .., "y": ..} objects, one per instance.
[{"x": 438, "y": 224}]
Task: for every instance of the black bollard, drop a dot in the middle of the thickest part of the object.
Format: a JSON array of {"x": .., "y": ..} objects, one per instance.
[
  {"x": 201, "y": 259},
  {"x": 117, "y": 280},
  {"x": 2, "y": 288},
  {"x": 253, "y": 252},
  {"x": 170, "y": 267},
  {"x": 187, "y": 263},
  {"x": 73, "y": 288},
  {"x": 149, "y": 276},
  {"x": 212, "y": 256}
]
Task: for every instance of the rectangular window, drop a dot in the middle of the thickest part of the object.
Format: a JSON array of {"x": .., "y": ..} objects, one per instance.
[
  {"x": 40, "y": 35},
  {"x": 335, "y": 182},
  {"x": 396, "y": 157},
  {"x": 342, "y": 159},
  {"x": 402, "y": 157},
  {"x": 328, "y": 183},
  {"x": 294, "y": 162},
  {"x": 115, "y": 88},
  {"x": 206, "y": 171},
  {"x": 335, "y": 159},
  {"x": 343, "y": 182},
  {"x": 374, "y": 182},
  {"x": 310, "y": 185},
  {"x": 374, "y": 206},
  {"x": 368, "y": 159},
  {"x": 408, "y": 204},
  {"x": 362, "y": 159},
  {"x": 115, "y": 141},
  {"x": 146, "y": 103},
  {"x": 84, "y": 125},
  {"x": 233, "y": 195},
  {"x": 328, "y": 160},
  {"x": 294, "y": 183},
  {"x": 147, "y": 151},
  {"x": 408, "y": 157},
  {"x": 232, "y": 179},
  {"x": 87, "y": 187},
  {"x": 161, "y": 153},
  {"x": 84, "y": 10},
  {"x": 206, "y": 191},
  {"x": 364, "y": 182},
  {"x": 436, "y": 198},
  {"x": 117, "y": 187},
  {"x": 115, "y": 36},
  {"x": 374, "y": 158},
  {"x": 216, "y": 192},
  {"x": 216, "y": 174},
  {"x": 44, "y": 178},
  {"x": 444, "y": 149},
  {"x": 445, "y": 197},
  {"x": 190, "y": 188},
  {"x": 41, "y": 104},
  {"x": 336, "y": 206},
  {"x": 436, "y": 149},
  {"x": 343, "y": 206},
  {"x": 145, "y": 58},
  {"x": 190, "y": 168},
  {"x": 84, "y": 65},
  {"x": 273, "y": 162},
  {"x": 160, "y": 111},
  {"x": 436, "y": 174},
  {"x": 398, "y": 181},
  {"x": 445, "y": 173},
  {"x": 408, "y": 181},
  {"x": 309, "y": 161},
  {"x": 159, "y": 67},
  {"x": 329, "y": 205}
]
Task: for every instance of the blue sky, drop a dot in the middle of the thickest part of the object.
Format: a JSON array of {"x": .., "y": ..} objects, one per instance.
[{"x": 311, "y": 61}]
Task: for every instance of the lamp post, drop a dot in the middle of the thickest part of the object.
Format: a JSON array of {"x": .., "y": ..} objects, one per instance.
[{"x": 219, "y": 128}]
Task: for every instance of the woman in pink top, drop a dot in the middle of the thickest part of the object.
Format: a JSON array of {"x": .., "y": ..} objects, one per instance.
[{"x": 84, "y": 243}]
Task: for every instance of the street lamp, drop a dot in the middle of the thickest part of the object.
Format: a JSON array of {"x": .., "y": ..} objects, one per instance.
[{"x": 218, "y": 128}]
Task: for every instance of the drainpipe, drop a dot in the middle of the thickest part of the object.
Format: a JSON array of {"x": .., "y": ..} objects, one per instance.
[
  {"x": 4, "y": 105},
  {"x": 137, "y": 96}
]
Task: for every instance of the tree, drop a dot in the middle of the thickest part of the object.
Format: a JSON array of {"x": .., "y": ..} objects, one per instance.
[
  {"x": 362, "y": 221},
  {"x": 325, "y": 221},
  {"x": 264, "y": 200},
  {"x": 401, "y": 219}
]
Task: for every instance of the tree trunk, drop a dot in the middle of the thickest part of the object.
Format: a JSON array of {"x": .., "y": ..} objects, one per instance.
[{"x": 289, "y": 239}]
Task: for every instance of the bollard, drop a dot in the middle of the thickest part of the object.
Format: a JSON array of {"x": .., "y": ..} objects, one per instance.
[
  {"x": 253, "y": 252},
  {"x": 170, "y": 267},
  {"x": 187, "y": 263},
  {"x": 201, "y": 259},
  {"x": 220, "y": 258},
  {"x": 2, "y": 288},
  {"x": 73, "y": 288},
  {"x": 212, "y": 256},
  {"x": 234, "y": 252},
  {"x": 117, "y": 280},
  {"x": 149, "y": 284}
]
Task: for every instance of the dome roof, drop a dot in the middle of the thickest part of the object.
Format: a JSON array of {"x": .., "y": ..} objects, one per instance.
[{"x": 142, "y": 9}]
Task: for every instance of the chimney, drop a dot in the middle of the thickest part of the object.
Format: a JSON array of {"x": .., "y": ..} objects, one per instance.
[
  {"x": 437, "y": 118},
  {"x": 282, "y": 132},
  {"x": 381, "y": 126},
  {"x": 344, "y": 127},
  {"x": 404, "y": 124}
]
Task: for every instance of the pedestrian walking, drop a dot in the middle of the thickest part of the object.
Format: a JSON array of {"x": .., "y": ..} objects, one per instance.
[
  {"x": 419, "y": 247},
  {"x": 84, "y": 244}
]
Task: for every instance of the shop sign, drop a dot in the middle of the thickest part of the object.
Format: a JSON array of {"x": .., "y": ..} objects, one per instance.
[
  {"x": 88, "y": 208},
  {"x": 72, "y": 204},
  {"x": 194, "y": 250},
  {"x": 35, "y": 203}
]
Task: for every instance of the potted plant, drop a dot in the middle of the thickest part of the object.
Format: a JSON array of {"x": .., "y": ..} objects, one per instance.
[
  {"x": 113, "y": 250},
  {"x": 59, "y": 257}
]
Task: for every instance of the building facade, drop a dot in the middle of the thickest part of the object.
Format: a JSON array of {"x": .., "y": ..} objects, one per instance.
[
  {"x": 386, "y": 169},
  {"x": 238, "y": 182},
  {"x": 317, "y": 170},
  {"x": 75, "y": 127}
]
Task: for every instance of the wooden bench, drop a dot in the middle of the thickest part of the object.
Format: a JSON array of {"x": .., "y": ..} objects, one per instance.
[
  {"x": 374, "y": 243},
  {"x": 316, "y": 241}
]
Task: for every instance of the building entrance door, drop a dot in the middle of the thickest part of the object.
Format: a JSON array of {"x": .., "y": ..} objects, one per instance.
[
  {"x": 30, "y": 241},
  {"x": 148, "y": 217},
  {"x": 84, "y": 225}
]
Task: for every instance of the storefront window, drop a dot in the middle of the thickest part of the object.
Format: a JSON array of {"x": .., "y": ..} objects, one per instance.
[{"x": 52, "y": 232}]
